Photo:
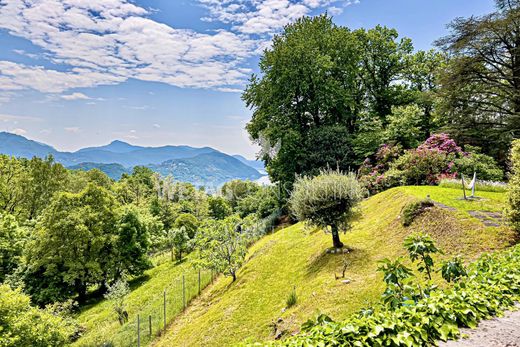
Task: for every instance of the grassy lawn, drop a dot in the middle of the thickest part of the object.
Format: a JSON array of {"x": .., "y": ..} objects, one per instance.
[
  {"x": 228, "y": 313},
  {"x": 145, "y": 299}
]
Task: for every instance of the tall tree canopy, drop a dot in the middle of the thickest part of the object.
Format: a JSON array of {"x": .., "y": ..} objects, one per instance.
[
  {"x": 324, "y": 89},
  {"x": 481, "y": 85}
]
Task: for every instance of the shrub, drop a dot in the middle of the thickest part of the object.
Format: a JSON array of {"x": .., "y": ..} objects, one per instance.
[
  {"x": 439, "y": 157},
  {"x": 452, "y": 270},
  {"x": 513, "y": 193},
  {"x": 473, "y": 161},
  {"x": 326, "y": 200},
  {"x": 117, "y": 293},
  {"x": 292, "y": 299},
  {"x": 21, "y": 324},
  {"x": 483, "y": 186},
  {"x": 413, "y": 209},
  {"x": 420, "y": 247}
]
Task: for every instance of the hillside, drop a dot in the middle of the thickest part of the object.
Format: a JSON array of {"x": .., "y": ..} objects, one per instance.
[
  {"x": 114, "y": 171},
  {"x": 203, "y": 166},
  {"x": 228, "y": 313},
  {"x": 211, "y": 169}
]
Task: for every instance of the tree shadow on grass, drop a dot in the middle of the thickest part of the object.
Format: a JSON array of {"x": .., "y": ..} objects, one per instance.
[
  {"x": 95, "y": 296},
  {"x": 333, "y": 262}
]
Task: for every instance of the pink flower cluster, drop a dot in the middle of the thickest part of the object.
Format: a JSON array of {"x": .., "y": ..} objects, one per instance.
[{"x": 442, "y": 143}]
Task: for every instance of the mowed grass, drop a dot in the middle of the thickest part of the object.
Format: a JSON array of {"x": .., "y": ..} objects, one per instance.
[
  {"x": 247, "y": 310},
  {"x": 146, "y": 299}
]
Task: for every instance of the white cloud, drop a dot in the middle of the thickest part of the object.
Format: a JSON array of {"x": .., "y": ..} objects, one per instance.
[
  {"x": 75, "y": 96},
  {"x": 265, "y": 16},
  {"x": 156, "y": 126},
  {"x": 109, "y": 41},
  {"x": 19, "y": 131},
  {"x": 73, "y": 130},
  {"x": 105, "y": 42},
  {"x": 15, "y": 118}
]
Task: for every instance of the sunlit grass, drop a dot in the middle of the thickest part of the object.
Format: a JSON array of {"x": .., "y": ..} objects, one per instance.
[
  {"x": 296, "y": 257},
  {"x": 145, "y": 299}
]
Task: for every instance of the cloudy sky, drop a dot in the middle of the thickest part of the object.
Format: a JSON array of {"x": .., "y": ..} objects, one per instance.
[{"x": 76, "y": 73}]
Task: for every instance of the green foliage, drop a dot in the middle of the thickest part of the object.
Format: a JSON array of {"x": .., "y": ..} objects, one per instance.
[
  {"x": 513, "y": 192},
  {"x": 420, "y": 247},
  {"x": 404, "y": 126},
  {"x": 474, "y": 161},
  {"x": 117, "y": 293},
  {"x": 327, "y": 200},
  {"x": 262, "y": 203},
  {"x": 236, "y": 190},
  {"x": 219, "y": 207},
  {"x": 131, "y": 247},
  {"x": 188, "y": 222},
  {"x": 292, "y": 298},
  {"x": 73, "y": 246},
  {"x": 453, "y": 270},
  {"x": 179, "y": 241},
  {"x": 436, "y": 316},
  {"x": 326, "y": 94},
  {"x": 479, "y": 94},
  {"x": 396, "y": 276},
  {"x": 12, "y": 240},
  {"x": 413, "y": 209},
  {"x": 24, "y": 325},
  {"x": 222, "y": 245}
]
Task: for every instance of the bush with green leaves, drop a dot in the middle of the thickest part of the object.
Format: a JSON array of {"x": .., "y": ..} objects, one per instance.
[
  {"x": 117, "y": 293},
  {"x": 327, "y": 200},
  {"x": 12, "y": 239},
  {"x": 420, "y": 248},
  {"x": 219, "y": 207},
  {"x": 453, "y": 269},
  {"x": 413, "y": 209},
  {"x": 22, "y": 324},
  {"x": 189, "y": 222},
  {"x": 491, "y": 286},
  {"x": 513, "y": 193},
  {"x": 222, "y": 245}
]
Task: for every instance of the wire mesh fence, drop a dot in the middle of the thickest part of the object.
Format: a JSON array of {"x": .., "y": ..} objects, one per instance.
[{"x": 150, "y": 320}]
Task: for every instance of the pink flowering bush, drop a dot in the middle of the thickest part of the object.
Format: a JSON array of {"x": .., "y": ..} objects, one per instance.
[
  {"x": 371, "y": 172},
  {"x": 442, "y": 143},
  {"x": 438, "y": 158}
]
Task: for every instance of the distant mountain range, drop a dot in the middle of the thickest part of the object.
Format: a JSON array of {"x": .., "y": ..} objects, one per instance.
[{"x": 200, "y": 166}]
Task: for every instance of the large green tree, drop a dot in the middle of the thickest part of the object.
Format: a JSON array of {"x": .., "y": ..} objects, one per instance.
[
  {"x": 325, "y": 92},
  {"x": 73, "y": 246},
  {"x": 481, "y": 85}
]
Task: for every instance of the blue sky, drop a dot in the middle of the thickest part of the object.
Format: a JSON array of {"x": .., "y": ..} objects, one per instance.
[{"x": 77, "y": 73}]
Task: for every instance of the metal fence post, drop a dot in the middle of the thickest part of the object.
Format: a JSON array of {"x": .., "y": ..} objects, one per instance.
[
  {"x": 199, "y": 281},
  {"x": 150, "y": 325},
  {"x": 183, "y": 292},
  {"x": 164, "y": 309}
]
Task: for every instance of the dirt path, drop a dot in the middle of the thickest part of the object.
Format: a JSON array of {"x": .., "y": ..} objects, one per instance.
[{"x": 497, "y": 332}]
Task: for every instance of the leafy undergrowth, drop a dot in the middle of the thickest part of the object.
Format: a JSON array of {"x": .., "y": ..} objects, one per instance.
[
  {"x": 492, "y": 286},
  {"x": 146, "y": 299},
  {"x": 253, "y": 308}
]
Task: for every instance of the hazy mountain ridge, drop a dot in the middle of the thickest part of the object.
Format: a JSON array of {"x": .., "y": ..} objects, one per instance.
[{"x": 200, "y": 166}]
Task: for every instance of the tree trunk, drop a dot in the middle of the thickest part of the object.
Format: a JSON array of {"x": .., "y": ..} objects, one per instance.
[
  {"x": 234, "y": 275},
  {"x": 335, "y": 237}
]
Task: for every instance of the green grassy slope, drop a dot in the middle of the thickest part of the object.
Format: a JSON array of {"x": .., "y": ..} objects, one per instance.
[
  {"x": 228, "y": 312},
  {"x": 145, "y": 299}
]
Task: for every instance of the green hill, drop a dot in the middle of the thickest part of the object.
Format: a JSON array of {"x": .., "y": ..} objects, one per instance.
[{"x": 250, "y": 308}]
